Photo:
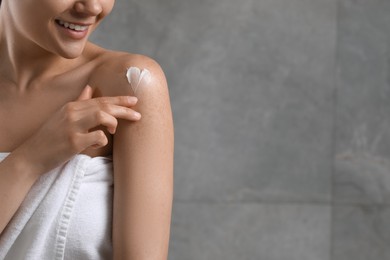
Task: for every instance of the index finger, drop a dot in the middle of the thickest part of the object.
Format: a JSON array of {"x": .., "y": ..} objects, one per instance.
[{"x": 126, "y": 101}]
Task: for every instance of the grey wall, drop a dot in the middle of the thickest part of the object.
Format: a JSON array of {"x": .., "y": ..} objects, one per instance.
[{"x": 282, "y": 119}]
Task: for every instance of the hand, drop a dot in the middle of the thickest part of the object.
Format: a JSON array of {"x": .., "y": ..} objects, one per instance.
[{"x": 69, "y": 132}]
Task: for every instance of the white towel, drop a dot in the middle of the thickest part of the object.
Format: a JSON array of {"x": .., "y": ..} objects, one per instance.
[{"x": 66, "y": 215}]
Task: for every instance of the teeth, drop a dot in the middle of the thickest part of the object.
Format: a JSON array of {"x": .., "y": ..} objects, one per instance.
[{"x": 73, "y": 26}]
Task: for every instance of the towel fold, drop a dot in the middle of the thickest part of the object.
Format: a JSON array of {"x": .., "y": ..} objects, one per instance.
[{"x": 66, "y": 215}]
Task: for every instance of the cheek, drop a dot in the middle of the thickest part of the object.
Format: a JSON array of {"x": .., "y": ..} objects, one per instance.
[{"x": 108, "y": 5}]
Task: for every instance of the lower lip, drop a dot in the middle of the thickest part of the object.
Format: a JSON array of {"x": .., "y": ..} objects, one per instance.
[{"x": 76, "y": 35}]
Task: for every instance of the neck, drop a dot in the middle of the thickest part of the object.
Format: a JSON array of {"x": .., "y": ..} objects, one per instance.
[
  {"x": 22, "y": 67},
  {"x": 23, "y": 62}
]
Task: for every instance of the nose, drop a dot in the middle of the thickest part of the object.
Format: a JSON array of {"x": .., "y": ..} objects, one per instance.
[{"x": 88, "y": 7}]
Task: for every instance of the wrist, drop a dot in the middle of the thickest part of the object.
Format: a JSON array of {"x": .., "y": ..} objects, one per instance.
[{"x": 21, "y": 166}]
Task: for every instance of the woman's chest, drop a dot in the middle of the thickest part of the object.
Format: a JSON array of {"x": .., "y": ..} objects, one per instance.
[{"x": 21, "y": 115}]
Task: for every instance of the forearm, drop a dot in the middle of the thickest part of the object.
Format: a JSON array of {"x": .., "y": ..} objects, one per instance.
[{"x": 16, "y": 179}]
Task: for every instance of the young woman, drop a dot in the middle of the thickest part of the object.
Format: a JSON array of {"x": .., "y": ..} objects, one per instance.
[{"x": 65, "y": 100}]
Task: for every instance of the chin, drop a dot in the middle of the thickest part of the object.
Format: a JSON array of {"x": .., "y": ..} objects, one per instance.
[
  {"x": 71, "y": 57},
  {"x": 70, "y": 54}
]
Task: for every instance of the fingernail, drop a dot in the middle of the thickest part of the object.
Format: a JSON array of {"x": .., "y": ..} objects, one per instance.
[
  {"x": 132, "y": 99},
  {"x": 137, "y": 115}
]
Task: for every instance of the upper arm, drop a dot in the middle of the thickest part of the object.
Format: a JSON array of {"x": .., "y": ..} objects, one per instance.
[{"x": 143, "y": 172}]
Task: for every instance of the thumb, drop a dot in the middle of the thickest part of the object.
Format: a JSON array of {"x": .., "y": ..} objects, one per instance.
[{"x": 85, "y": 94}]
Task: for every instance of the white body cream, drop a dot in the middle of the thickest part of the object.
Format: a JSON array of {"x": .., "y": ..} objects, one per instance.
[{"x": 137, "y": 77}]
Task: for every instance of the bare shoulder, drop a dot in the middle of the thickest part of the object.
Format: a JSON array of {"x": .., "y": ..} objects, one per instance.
[{"x": 112, "y": 76}]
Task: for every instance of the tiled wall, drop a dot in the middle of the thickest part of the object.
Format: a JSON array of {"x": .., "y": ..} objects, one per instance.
[{"x": 282, "y": 123}]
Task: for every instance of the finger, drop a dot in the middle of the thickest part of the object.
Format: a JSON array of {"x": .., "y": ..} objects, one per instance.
[
  {"x": 109, "y": 117},
  {"x": 95, "y": 139},
  {"x": 99, "y": 118},
  {"x": 85, "y": 94},
  {"x": 102, "y": 102},
  {"x": 125, "y": 113},
  {"x": 121, "y": 112},
  {"x": 97, "y": 115},
  {"x": 127, "y": 101}
]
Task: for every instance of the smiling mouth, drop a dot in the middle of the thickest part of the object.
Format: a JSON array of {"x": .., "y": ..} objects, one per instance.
[{"x": 72, "y": 26}]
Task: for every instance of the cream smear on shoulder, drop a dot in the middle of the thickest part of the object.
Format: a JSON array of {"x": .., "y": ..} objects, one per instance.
[{"x": 136, "y": 77}]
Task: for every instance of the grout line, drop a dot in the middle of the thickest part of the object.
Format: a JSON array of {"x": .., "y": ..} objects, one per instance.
[
  {"x": 281, "y": 202},
  {"x": 265, "y": 202},
  {"x": 336, "y": 85}
]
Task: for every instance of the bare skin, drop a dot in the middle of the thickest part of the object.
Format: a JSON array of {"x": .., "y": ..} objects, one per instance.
[{"x": 52, "y": 108}]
